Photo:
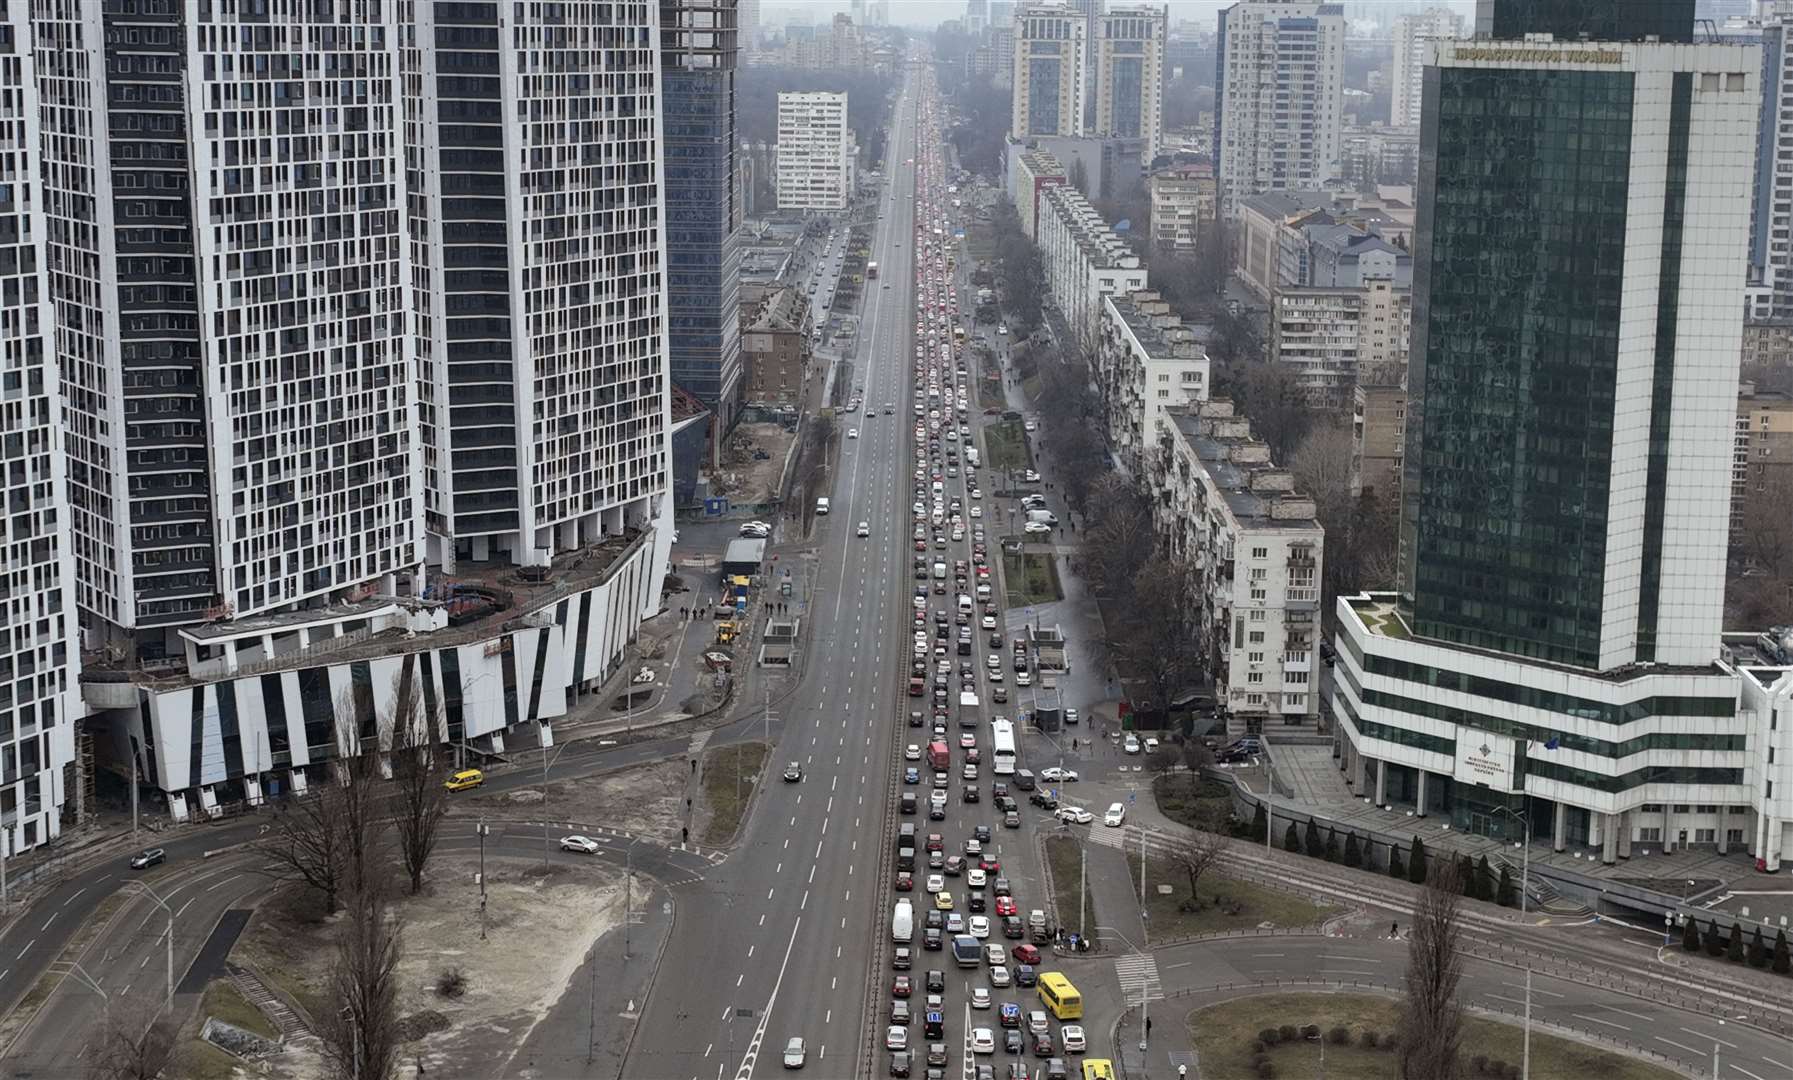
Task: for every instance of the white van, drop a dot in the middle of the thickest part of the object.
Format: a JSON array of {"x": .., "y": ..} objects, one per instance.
[
  {"x": 983, "y": 592},
  {"x": 1044, "y": 517},
  {"x": 971, "y": 457},
  {"x": 964, "y": 599},
  {"x": 822, "y": 505},
  {"x": 902, "y": 923}
]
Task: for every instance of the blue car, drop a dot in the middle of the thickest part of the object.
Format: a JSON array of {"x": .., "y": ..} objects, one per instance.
[
  {"x": 1010, "y": 1014},
  {"x": 911, "y": 775}
]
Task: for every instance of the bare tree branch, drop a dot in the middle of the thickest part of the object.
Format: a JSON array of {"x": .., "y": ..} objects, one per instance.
[
  {"x": 361, "y": 1039},
  {"x": 131, "y": 1045},
  {"x": 421, "y": 801},
  {"x": 330, "y": 840},
  {"x": 1199, "y": 855}
]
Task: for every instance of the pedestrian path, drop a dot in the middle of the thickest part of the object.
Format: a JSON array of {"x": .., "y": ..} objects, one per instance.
[
  {"x": 1114, "y": 838},
  {"x": 1138, "y": 975}
]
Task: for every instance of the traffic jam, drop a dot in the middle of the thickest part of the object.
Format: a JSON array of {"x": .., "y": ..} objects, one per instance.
[{"x": 968, "y": 991}]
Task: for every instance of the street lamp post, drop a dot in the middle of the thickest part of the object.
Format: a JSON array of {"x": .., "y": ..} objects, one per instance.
[{"x": 163, "y": 904}]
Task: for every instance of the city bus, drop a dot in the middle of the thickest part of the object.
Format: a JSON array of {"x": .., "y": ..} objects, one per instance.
[
  {"x": 1098, "y": 1069},
  {"x": 1057, "y": 994},
  {"x": 1002, "y": 746}
]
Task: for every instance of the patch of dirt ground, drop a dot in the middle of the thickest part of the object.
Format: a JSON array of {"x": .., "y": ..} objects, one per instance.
[
  {"x": 744, "y": 478},
  {"x": 646, "y": 800},
  {"x": 540, "y": 927}
]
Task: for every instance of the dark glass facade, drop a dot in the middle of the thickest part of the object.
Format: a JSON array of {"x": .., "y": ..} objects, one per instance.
[
  {"x": 1520, "y": 244},
  {"x": 1597, "y": 20},
  {"x": 1127, "y": 85},
  {"x": 703, "y": 207},
  {"x": 1042, "y": 93}
]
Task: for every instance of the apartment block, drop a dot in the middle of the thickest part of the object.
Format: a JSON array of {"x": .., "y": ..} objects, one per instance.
[
  {"x": 1328, "y": 335},
  {"x": 699, "y": 54},
  {"x": 1146, "y": 363},
  {"x": 1084, "y": 259},
  {"x": 1375, "y": 154},
  {"x": 1255, "y": 553},
  {"x": 776, "y": 325},
  {"x": 1030, "y": 173},
  {"x": 1378, "y": 441},
  {"x": 1185, "y": 208},
  {"x": 1553, "y": 665},
  {"x": 1130, "y": 75},
  {"x": 518, "y": 292},
  {"x": 1413, "y": 33},
  {"x": 231, "y": 325},
  {"x": 42, "y": 783},
  {"x": 1050, "y": 84},
  {"x": 1279, "y": 97},
  {"x": 1762, "y": 456},
  {"x": 1298, "y": 238},
  {"x": 815, "y": 152}
]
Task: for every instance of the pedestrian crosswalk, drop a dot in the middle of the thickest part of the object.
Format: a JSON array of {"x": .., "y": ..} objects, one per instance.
[
  {"x": 1138, "y": 975},
  {"x": 1114, "y": 838}
]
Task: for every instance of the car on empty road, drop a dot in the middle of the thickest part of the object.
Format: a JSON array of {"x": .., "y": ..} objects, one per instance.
[
  {"x": 795, "y": 1053},
  {"x": 585, "y": 845}
]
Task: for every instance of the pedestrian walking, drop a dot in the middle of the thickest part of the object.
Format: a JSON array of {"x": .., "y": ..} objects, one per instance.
[
  {"x": 684, "y": 833},
  {"x": 1394, "y": 929}
]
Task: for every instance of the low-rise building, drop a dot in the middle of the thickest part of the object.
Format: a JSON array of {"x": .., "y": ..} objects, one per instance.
[
  {"x": 776, "y": 325},
  {"x": 1326, "y": 335},
  {"x": 1768, "y": 341},
  {"x": 1084, "y": 259},
  {"x": 1147, "y": 362},
  {"x": 1254, "y": 551},
  {"x": 1313, "y": 238},
  {"x": 1030, "y": 173},
  {"x": 1379, "y": 154},
  {"x": 1378, "y": 441},
  {"x": 1762, "y": 456},
  {"x": 1185, "y": 206}
]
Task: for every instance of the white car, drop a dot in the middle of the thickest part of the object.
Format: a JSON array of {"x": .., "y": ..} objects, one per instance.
[
  {"x": 1037, "y": 528},
  {"x": 979, "y": 927},
  {"x": 1074, "y": 815},
  {"x": 988, "y": 622},
  {"x": 865, "y": 528},
  {"x": 1071, "y": 1038},
  {"x": 980, "y": 997},
  {"x": 1023, "y": 678},
  {"x": 1151, "y": 744},
  {"x": 1030, "y": 476},
  {"x": 756, "y": 530},
  {"x": 1030, "y": 426},
  {"x": 852, "y": 433},
  {"x": 936, "y": 882},
  {"x": 912, "y": 752},
  {"x": 977, "y": 511},
  {"x": 976, "y": 878},
  {"x": 794, "y": 1052},
  {"x": 983, "y": 1041},
  {"x": 585, "y": 845},
  {"x": 896, "y": 1038},
  {"x": 1130, "y": 744},
  {"x": 999, "y": 975},
  {"x": 1056, "y": 775},
  {"x": 1115, "y": 815}
]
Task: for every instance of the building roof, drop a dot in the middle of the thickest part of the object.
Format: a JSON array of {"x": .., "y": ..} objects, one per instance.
[
  {"x": 782, "y": 309},
  {"x": 1159, "y": 331},
  {"x": 1284, "y": 204},
  {"x": 1241, "y": 484},
  {"x": 1101, "y": 245}
]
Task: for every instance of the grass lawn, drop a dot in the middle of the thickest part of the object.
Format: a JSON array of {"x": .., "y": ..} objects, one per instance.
[
  {"x": 196, "y": 1059},
  {"x": 1258, "y": 906},
  {"x": 1223, "y": 1035},
  {"x": 726, "y": 796},
  {"x": 1030, "y": 579},
  {"x": 1005, "y": 446},
  {"x": 1193, "y": 801},
  {"x": 223, "y": 1002},
  {"x": 1062, "y": 852}
]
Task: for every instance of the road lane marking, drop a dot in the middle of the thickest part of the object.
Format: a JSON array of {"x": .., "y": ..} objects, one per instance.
[
  {"x": 47, "y": 923},
  {"x": 1710, "y": 1038},
  {"x": 26, "y": 949},
  {"x": 1679, "y": 1046},
  {"x": 1598, "y": 1020},
  {"x": 1535, "y": 990},
  {"x": 1738, "y": 1068}
]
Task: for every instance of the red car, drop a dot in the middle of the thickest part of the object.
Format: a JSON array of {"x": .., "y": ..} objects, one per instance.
[
  {"x": 988, "y": 864},
  {"x": 1005, "y": 905},
  {"x": 1025, "y": 954},
  {"x": 899, "y": 986},
  {"x": 905, "y": 882}
]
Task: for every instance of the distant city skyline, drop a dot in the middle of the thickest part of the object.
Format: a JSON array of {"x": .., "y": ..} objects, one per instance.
[{"x": 927, "y": 14}]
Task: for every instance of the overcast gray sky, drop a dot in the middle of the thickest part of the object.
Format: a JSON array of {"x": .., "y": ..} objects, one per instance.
[{"x": 930, "y": 13}]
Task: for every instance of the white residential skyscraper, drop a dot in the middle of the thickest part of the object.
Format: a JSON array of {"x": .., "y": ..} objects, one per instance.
[
  {"x": 534, "y": 168},
  {"x": 39, "y": 642},
  {"x": 1280, "y": 106},
  {"x": 1050, "y": 87},
  {"x": 227, "y": 266},
  {"x": 815, "y": 151},
  {"x": 1412, "y": 34}
]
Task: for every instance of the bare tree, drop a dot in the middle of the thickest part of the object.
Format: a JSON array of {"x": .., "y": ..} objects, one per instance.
[
  {"x": 1432, "y": 1021},
  {"x": 1764, "y": 533},
  {"x": 1199, "y": 855},
  {"x": 1119, "y": 537},
  {"x": 1158, "y": 641},
  {"x": 1164, "y": 759},
  {"x": 330, "y": 839},
  {"x": 361, "y": 1038},
  {"x": 131, "y": 1045},
  {"x": 1360, "y": 530},
  {"x": 421, "y": 801}
]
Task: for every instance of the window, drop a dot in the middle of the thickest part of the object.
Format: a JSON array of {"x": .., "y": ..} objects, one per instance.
[
  {"x": 1255, "y": 657},
  {"x": 1257, "y": 637},
  {"x": 1260, "y": 553},
  {"x": 1649, "y": 836},
  {"x": 1705, "y": 836},
  {"x": 1254, "y": 677}
]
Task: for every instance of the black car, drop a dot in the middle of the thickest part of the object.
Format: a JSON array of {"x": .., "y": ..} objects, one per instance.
[
  {"x": 1042, "y": 1044},
  {"x": 1013, "y": 928},
  {"x": 902, "y": 959},
  {"x": 981, "y": 833},
  {"x": 970, "y": 793},
  {"x": 1045, "y": 800},
  {"x": 936, "y": 981},
  {"x": 899, "y": 1063},
  {"x": 1013, "y": 1042},
  {"x": 935, "y": 919},
  {"x": 909, "y": 802},
  {"x": 931, "y": 939},
  {"x": 1000, "y": 887},
  {"x": 975, "y": 900},
  {"x": 1006, "y": 803},
  {"x": 999, "y": 788}
]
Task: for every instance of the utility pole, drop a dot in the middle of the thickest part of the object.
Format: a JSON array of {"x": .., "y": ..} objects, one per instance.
[
  {"x": 133, "y": 793},
  {"x": 483, "y": 829},
  {"x": 1082, "y": 888},
  {"x": 544, "y": 738},
  {"x": 628, "y": 895},
  {"x": 1269, "y": 815}
]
